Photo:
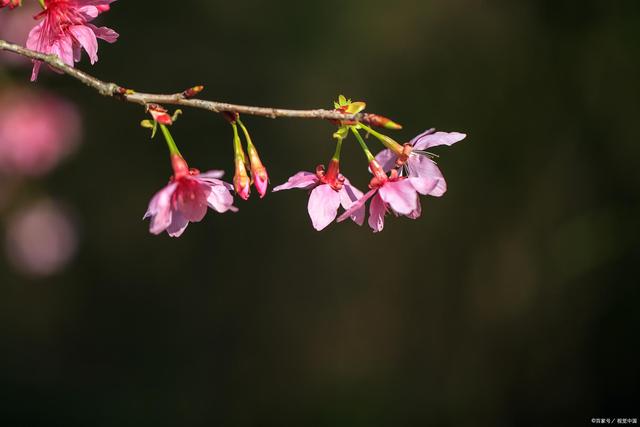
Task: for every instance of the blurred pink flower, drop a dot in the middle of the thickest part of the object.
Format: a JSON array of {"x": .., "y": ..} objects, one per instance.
[
  {"x": 11, "y": 3},
  {"x": 15, "y": 27},
  {"x": 328, "y": 192},
  {"x": 419, "y": 164},
  {"x": 186, "y": 198},
  {"x": 41, "y": 239},
  {"x": 37, "y": 130},
  {"x": 65, "y": 31}
]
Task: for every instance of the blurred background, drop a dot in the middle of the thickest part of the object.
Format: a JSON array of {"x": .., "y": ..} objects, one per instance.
[{"x": 513, "y": 301}]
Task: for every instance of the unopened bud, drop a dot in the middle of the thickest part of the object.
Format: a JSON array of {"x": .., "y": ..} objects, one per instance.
[
  {"x": 192, "y": 91},
  {"x": 241, "y": 181},
  {"x": 381, "y": 121},
  {"x": 258, "y": 171}
]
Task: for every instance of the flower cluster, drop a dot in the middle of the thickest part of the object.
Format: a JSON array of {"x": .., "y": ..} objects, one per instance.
[
  {"x": 400, "y": 174},
  {"x": 186, "y": 198}
]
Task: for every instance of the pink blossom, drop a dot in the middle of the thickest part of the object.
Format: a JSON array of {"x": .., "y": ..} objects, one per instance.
[
  {"x": 328, "y": 192},
  {"x": 417, "y": 163},
  {"x": 65, "y": 30},
  {"x": 394, "y": 193},
  {"x": 37, "y": 130},
  {"x": 186, "y": 198}
]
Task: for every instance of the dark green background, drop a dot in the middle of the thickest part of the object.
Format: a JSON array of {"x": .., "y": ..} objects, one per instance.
[{"x": 513, "y": 301}]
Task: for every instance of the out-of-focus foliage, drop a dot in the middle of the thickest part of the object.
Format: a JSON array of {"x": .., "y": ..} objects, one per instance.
[{"x": 512, "y": 301}]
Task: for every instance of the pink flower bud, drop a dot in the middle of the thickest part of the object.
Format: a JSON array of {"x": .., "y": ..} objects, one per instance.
[
  {"x": 241, "y": 181},
  {"x": 258, "y": 171}
]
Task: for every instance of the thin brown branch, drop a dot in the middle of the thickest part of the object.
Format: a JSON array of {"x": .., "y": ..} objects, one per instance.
[{"x": 116, "y": 91}]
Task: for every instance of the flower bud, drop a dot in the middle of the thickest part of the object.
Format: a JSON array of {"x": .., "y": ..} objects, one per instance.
[
  {"x": 258, "y": 171},
  {"x": 241, "y": 181},
  {"x": 380, "y": 121},
  {"x": 192, "y": 91}
]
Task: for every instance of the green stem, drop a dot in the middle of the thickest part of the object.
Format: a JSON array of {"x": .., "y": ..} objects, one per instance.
[
  {"x": 362, "y": 144},
  {"x": 237, "y": 145},
  {"x": 336, "y": 155},
  {"x": 42, "y": 4},
  {"x": 173, "y": 148},
  {"x": 386, "y": 141},
  {"x": 245, "y": 131}
]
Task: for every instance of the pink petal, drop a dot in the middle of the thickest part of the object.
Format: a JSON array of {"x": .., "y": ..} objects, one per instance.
[
  {"x": 377, "y": 210},
  {"x": 302, "y": 179},
  {"x": 417, "y": 212},
  {"x": 104, "y": 33},
  {"x": 425, "y": 168},
  {"x": 215, "y": 174},
  {"x": 323, "y": 206},
  {"x": 428, "y": 140},
  {"x": 353, "y": 210},
  {"x": 87, "y": 39},
  {"x": 178, "y": 224},
  {"x": 191, "y": 199},
  {"x": 348, "y": 196},
  {"x": 387, "y": 159},
  {"x": 400, "y": 195},
  {"x": 160, "y": 209},
  {"x": 64, "y": 49},
  {"x": 89, "y": 13},
  {"x": 220, "y": 199}
]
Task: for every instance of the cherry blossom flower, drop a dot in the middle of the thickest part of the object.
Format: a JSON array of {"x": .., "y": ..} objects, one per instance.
[
  {"x": 398, "y": 194},
  {"x": 417, "y": 163},
  {"x": 328, "y": 191},
  {"x": 65, "y": 30},
  {"x": 186, "y": 198},
  {"x": 37, "y": 131}
]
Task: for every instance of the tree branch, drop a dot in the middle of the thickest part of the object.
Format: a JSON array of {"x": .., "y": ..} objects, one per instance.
[{"x": 116, "y": 91}]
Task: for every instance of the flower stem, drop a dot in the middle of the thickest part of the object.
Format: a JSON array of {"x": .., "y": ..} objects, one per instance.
[
  {"x": 42, "y": 4},
  {"x": 173, "y": 148},
  {"x": 386, "y": 141},
  {"x": 336, "y": 155},
  {"x": 362, "y": 144},
  {"x": 237, "y": 144}
]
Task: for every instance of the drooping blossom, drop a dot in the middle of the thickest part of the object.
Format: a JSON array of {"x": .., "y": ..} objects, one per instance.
[
  {"x": 65, "y": 29},
  {"x": 41, "y": 239},
  {"x": 186, "y": 198},
  {"x": 329, "y": 191},
  {"x": 394, "y": 193},
  {"x": 416, "y": 162},
  {"x": 37, "y": 131}
]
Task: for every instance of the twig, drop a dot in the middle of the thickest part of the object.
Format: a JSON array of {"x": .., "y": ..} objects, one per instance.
[{"x": 116, "y": 91}]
